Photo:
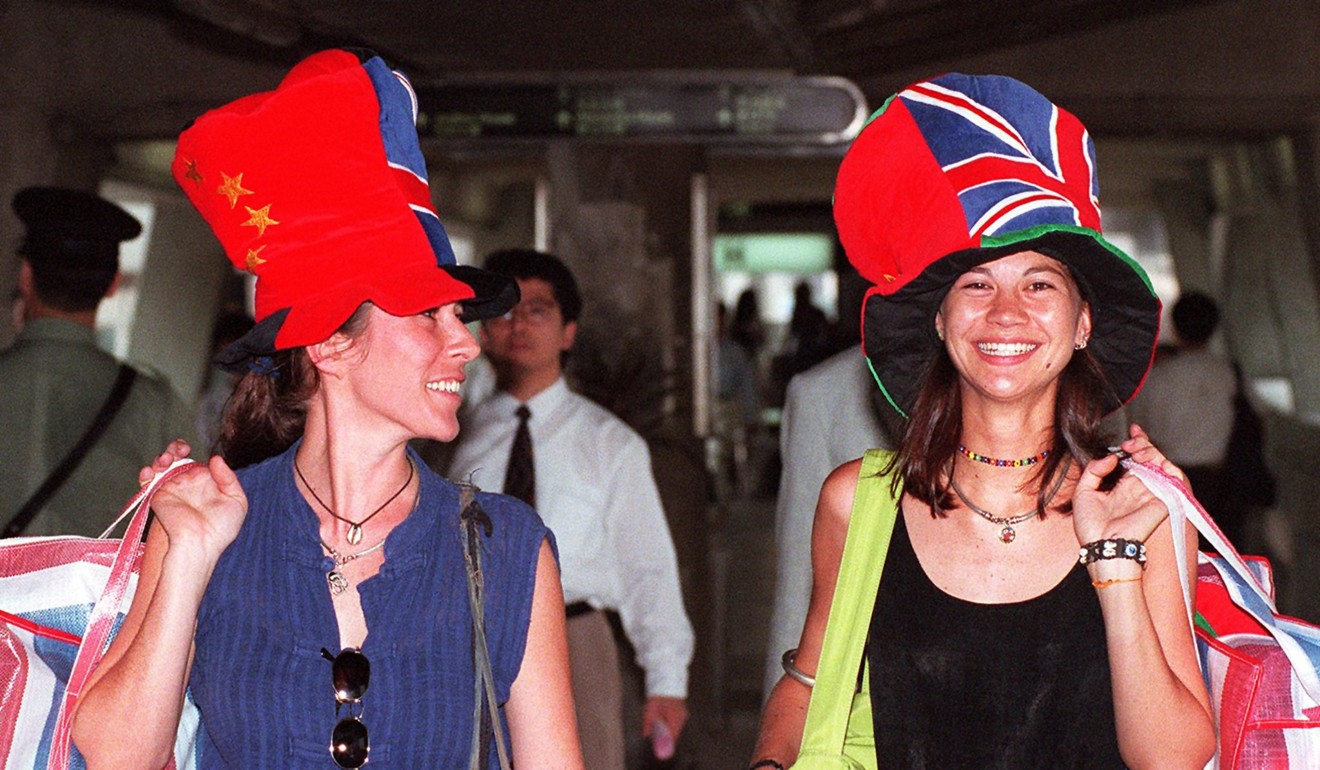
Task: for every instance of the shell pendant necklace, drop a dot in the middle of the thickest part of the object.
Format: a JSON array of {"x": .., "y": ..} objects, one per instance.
[
  {"x": 355, "y": 527},
  {"x": 1006, "y": 523}
]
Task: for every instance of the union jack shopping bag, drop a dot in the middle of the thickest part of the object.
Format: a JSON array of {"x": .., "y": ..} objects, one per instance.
[
  {"x": 61, "y": 601},
  {"x": 1260, "y": 667}
]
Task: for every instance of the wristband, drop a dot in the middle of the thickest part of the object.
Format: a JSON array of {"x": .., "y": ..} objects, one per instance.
[{"x": 1113, "y": 548}]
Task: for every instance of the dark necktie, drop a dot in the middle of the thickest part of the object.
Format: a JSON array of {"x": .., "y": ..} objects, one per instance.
[{"x": 520, "y": 478}]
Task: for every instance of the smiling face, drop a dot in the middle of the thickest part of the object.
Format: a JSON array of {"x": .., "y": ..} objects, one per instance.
[
  {"x": 1010, "y": 327},
  {"x": 407, "y": 370}
]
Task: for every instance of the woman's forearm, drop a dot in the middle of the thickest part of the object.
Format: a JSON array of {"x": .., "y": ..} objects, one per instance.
[
  {"x": 784, "y": 716},
  {"x": 138, "y": 690},
  {"x": 1160, "y": 722}
]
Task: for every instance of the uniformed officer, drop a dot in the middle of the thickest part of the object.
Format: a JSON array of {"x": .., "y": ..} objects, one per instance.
[{"x": 54, "y": 380}]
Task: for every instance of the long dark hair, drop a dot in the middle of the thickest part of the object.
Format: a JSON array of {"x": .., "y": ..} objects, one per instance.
[
  {"x": 267, "y": 411},
  {"x": 935, "y": 426}
]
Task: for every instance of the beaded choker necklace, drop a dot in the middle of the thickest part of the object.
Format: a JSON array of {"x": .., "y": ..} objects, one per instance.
[
  {"x": 355, "y": 527},
  {"x": 1006, "y": 534},
  {"x": 995, "y": 461}
]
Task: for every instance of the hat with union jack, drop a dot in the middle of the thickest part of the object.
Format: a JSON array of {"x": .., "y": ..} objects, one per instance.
[
  {"x": 319, "y": 189},
  {"x": 960, "y": 170}
]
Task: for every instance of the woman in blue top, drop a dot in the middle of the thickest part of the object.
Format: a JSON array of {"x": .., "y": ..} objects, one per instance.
[
  {"x": 1029, "y": 613},
  {"x": 318, "y": 596}
]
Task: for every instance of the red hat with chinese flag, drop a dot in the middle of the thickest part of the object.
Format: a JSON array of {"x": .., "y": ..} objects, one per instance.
[{"x": 319, "y": 189}]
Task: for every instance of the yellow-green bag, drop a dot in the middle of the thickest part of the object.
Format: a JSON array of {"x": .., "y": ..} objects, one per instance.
[{"x": 839, "y": 733}]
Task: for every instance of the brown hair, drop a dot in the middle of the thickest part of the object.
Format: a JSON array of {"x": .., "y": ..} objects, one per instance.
[
  {"x": 934, "y": 428},
  {"x": 267, "y": 411}
]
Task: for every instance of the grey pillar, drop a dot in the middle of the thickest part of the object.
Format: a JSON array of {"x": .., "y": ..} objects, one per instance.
[{"x": 620, "y": 217}]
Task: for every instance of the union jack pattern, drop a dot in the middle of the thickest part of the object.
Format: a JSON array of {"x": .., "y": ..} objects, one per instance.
[
  {"x": 1036, "y": 169},
  {"x": 398, "y": 129}
]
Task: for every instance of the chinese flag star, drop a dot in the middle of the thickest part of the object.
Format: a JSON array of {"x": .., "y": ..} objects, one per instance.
[
  {"x": 260, "y": 219},
  {"x": 253, "y": 260},
  {"x": 232, "y": 188}
]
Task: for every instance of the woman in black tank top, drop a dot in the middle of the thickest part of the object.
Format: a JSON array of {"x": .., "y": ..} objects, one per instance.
[{"x": 1030, "y": 613}]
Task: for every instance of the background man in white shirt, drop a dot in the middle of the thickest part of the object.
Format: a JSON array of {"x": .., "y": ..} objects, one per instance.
[
  {"x": 1186, "y": 406},
  {"x": 594, "y": 488}
]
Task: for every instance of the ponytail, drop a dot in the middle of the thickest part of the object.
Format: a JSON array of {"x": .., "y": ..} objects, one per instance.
[{"x": 268, "y": 409}]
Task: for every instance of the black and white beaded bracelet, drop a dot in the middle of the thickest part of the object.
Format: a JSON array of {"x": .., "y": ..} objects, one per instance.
[{"x": 1113, "y": 548}]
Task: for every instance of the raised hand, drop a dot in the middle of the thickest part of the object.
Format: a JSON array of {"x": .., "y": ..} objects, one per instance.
[
  {"x": 1129, "y": 511},
  {"x": 204, "y": 506}
]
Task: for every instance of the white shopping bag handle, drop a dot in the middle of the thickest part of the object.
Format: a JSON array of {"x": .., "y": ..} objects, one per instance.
[
  {"x": 104, "y": 613},
  {"x": 1256, "y": 601}
]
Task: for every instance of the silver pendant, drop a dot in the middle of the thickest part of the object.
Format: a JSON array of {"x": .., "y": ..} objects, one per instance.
[
  {"x": 338, "y": 583},
  {"x": 354, "y": 534},
  {"x": 1007, "y": 535}
]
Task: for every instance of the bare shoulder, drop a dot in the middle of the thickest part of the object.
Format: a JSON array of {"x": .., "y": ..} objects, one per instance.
[
  {"x": 836, "y": 494},
  {"x": 843, "y": 479}
]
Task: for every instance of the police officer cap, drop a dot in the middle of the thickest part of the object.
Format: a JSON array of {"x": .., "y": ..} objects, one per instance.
[{"x": 72, "y": 224}]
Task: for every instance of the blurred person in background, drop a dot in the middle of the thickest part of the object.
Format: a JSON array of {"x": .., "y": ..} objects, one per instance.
[
  {"x": 589, "y": 475},
  {"x": 57, "y": 383}
]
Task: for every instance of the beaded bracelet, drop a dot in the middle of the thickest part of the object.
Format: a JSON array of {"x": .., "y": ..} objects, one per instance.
[
  {"x": 1115, "y": 581},
  {"x": 767, "y": 763},
  {"x": 1113, "y": 548}
]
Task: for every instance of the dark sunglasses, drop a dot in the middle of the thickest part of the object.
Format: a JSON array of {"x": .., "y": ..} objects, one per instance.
[{"x": 351, "y": 673}]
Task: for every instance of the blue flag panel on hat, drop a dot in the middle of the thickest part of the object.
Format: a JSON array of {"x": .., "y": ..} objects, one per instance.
[
  {"x": 397, "y": 102},
  {"x": 1009, "y": 175},
  {"x": 963, "y": 169}
]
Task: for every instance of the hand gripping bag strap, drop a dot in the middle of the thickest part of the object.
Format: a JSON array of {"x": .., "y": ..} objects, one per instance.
[
  {"x": 1300, "y": 642},
  {"x": 870, "y": 527},
  {"x": 102, "y": 618},
  {"x": 486, "y": 711}
]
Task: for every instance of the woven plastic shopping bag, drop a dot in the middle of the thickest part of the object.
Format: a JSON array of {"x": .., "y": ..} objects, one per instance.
[
  {"x": 61, "y": 601},
  {"x": 1262, "y": 668}
]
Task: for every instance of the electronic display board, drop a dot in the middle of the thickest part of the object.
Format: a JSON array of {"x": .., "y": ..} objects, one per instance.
[{"x": 742, "y": 109}]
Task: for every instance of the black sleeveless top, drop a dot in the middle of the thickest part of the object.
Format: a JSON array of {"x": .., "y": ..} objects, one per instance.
[{"x": 955, "y": 684}]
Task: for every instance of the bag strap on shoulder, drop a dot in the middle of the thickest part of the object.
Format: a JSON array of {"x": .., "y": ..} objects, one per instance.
[
  {"x": 485, "y": 710},
  {"x": 60, "y": 473},
  {"x": 874, "y": 511}
]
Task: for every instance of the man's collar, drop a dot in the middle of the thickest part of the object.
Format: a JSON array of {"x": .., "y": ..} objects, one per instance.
[
  {"x": 50, "y": 329},
  {"x": 544, "y": 401}
]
